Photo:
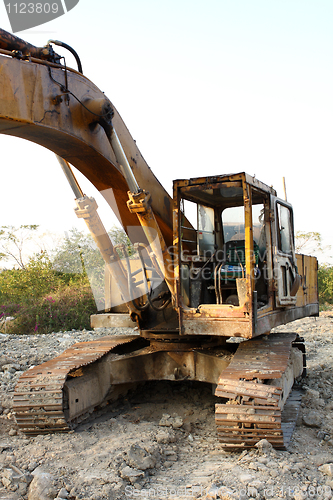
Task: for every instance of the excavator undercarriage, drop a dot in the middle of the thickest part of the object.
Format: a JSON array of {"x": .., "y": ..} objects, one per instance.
[
  {"x": 253, "y": 380},
  {"x": 214, "y": 269}
]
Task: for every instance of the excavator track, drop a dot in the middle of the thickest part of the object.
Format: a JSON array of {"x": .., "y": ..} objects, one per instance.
[
  {"x": 39, "y": 404},
  {"x": 257, "y": 383}
]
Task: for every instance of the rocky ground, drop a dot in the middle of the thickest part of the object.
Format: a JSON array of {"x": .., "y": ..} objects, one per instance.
[{"x": 160, "y": 442}]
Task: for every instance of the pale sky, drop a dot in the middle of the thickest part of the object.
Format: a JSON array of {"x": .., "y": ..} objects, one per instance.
[{"x": 205, "y": 88}]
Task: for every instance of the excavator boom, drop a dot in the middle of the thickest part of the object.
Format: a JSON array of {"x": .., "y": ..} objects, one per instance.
[{"x": 59, "y": 108}]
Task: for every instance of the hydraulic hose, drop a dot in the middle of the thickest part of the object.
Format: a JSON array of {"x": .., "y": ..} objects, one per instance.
[{"x": 71, "y": 50}]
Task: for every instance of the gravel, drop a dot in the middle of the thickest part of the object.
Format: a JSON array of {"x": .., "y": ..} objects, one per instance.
[{"x": 160, "y": 442}]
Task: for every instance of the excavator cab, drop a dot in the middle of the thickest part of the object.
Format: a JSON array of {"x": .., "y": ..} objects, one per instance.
[
  {"x": 213, "y": 252},
  {"x": 234, "y": 254}
]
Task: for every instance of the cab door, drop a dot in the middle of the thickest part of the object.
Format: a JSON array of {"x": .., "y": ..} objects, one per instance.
[{"x": 285, "y": 272}]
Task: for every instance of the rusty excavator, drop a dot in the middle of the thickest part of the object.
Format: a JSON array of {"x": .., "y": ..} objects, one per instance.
[{"x": 203, "y": 296}]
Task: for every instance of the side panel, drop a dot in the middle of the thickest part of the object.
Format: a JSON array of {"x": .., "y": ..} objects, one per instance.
[
  {"x": 307, "y": 303},
  {"x": 307, "y": 269}
]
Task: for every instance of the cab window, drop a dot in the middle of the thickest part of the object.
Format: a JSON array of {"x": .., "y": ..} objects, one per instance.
[{"x": 284, "y": 229}]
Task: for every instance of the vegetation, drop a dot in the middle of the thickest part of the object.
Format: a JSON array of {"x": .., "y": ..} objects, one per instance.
[
  {"x": 311, "y": 243},
  {"x": 46, "y": 293},
  {"x": 325, "y": 286},
  {"x": 43, "y": 300},
  {"x": 13, "y": 240},
  {"x": 55, "y": 292}
]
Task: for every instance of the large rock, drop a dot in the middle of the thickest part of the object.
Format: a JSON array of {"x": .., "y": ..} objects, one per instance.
[
  {"x": 312, "y": 399},
  {"x": 264, "y": 447},
  {"x": 15, "y": 480},
  {"x": 138, "y": 458},
  {"x": 326, "y": 469},
  {"x": 165, "y": 436},
  {"x": 11, "y": 367},
  {"x": 312, "y": 419},
  {"x": 130, "y": 475},
  {"x": 245, "y": 478},
  {"x": 42, "y": 487},
  {"x": 168, "y": 421}
]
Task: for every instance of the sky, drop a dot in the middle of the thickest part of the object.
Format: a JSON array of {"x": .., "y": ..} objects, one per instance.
[{"x": 205, "y": 88}]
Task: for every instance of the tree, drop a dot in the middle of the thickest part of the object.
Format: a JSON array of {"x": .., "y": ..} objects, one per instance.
[
  {"x": 119, "y": 237},
  {"x": 79, "y": 256},
  {"x": 309, "y": 243},
  {"x": 76, "y": 252},
  {"x": 13, "y": 242}
]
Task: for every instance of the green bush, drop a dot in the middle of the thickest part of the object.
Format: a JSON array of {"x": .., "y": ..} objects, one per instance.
[
  {"x": 36, "y": 279},
  {"x": 43, "y": 300},
  {"x": 51, "y": 294},
  {"x": 68, "y": 308},
  {"x": 325, "y": 284}
]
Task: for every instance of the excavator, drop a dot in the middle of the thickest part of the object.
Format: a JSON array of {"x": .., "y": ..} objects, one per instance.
[{"x": 213, "y": 273}]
